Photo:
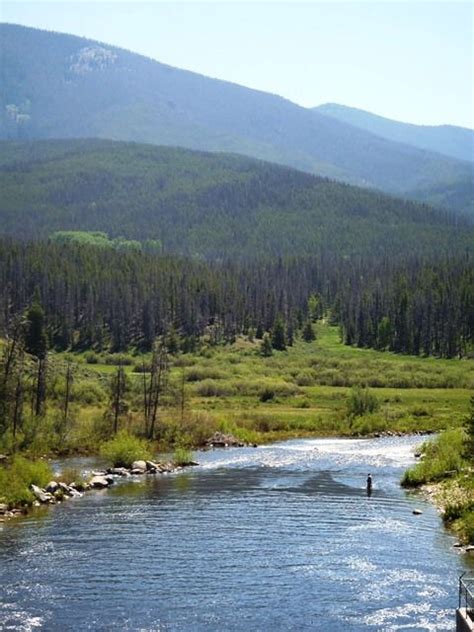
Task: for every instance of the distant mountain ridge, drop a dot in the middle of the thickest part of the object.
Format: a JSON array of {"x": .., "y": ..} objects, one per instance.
[
  {"x": 450, "y": 140},
  {"x": 216, "y": 206},
  {"x": 62, "y": 86}
]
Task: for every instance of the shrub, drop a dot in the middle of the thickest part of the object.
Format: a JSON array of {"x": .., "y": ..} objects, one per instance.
[
  {"x": 419, "y": 411},
  {"x": 125, "y": 448},
  {"x": 118, "y": 359},
  {"x": 88, "y": 392},
  {"x": 361, "y": 401},
  {"x": 197, "y": 374},
  {"x": 142, "y": 368},
  {"x": 467, "y": 527},
  {"x": 267, "y": 394},
  {"x": 182, "y": 457},
  {"x": 210, "y": 388},
  {"x": 303, "y": 404},
  {"x": 16, "y": 479},
  {"x": 305, "y": 378},
  {"x": 91, "y": 358}
]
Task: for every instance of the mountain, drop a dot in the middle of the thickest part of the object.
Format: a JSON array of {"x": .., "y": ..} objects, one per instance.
[
  {"x": 62, "y": 86},
  {"x": 207, "y": 204},
  {"x": 456, "y": 142}
]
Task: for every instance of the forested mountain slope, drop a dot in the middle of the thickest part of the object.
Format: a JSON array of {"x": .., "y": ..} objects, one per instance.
[
  {"x": 450, "y": 140},
  {"x": 56, "y": 85},
  {"x": 206, "y": 204},
  {"x": 96, "y": 297}
]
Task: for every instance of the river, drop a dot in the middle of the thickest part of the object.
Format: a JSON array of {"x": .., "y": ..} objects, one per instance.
[{"x": 280, "y": 537}]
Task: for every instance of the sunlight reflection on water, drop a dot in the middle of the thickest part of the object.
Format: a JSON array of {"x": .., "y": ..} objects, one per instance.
[{"x": 262, "y": 539}]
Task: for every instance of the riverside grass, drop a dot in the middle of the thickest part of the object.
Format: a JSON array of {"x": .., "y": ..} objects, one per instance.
[
  {"x": 446, "y": 464},
  {"x": 18, "y": 476}
]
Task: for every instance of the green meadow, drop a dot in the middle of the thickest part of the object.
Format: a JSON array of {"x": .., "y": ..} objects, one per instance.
[{"x": 303, "y": 391}]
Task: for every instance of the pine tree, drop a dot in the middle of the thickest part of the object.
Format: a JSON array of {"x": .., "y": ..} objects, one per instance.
[
  {"x": 384, "y": 333},
  {"x": 308, "y": 332},
  {"x": 278, "y": 335},
  {"x": 36, "y": 343},
  {"x": 266, "y": 348},
  {"x": 36, "y": 340}
]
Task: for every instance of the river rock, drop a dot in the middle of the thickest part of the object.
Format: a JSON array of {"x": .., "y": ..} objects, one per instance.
[
  {"x": 3, "y": 458},
  {"x": 41, "y": 495},
  {"x": 417, "y": 512},
  {"x": 166, "y": 468},
  {"x": 221, "y": 440},
  {"x": 139, "y": 465},
  {"x": 99, "y": 482},
  {"x": 118, "y": 471},
  {"x": 151, "y": 466},
  {"x": 470, "y": 549},
  {"x": 80, "y": 487},
  {"x": 3, "y": 509},
  {"x": 69, "y": 491},
  {"x": 52, "y": 487}
]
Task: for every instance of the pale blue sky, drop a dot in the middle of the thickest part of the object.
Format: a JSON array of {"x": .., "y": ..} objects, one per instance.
[{"x": 411, "y": 61}]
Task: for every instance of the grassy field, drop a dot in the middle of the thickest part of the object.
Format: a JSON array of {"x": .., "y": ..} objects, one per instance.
[{"x": 299, "y": 392}]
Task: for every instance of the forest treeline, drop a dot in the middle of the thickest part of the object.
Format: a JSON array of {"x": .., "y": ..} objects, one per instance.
[{"x": 107, "y": 299}]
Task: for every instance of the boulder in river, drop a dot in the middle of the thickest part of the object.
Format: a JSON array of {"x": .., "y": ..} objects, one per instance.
[
  {"x": 221, "y": 440},
  {"x": 99, "y": 482},
  {"x": 3, "y": 509},
  {"x": 118, "y": 471},
  {"x": 69, "y": 490},
  {"x": 51, "y": 487},
  {"x": 151, "y": 467},
  {"x": 139, "y": 465},
  {"x": 417, "y": 512},
  {"x": 41, "y": 495}
]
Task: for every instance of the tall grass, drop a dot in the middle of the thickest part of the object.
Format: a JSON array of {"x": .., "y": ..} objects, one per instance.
[
  {"x": 442, "y": 458},
  {"x": 361, "y": 401},
  {"x": 17, "y": 477},
  {"x": 124, "y": 449}
]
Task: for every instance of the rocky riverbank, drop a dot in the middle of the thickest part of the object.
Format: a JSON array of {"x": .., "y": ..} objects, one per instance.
[
  {"x": 452, "y": 500},
  {"x": 56, "y": 492}
]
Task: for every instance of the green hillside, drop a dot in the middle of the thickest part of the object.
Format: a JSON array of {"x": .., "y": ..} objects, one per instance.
[
  {"x": 457, "y": 142},
  {"x": 204, "y": 204},
  {"x": 61, "y": 86}
]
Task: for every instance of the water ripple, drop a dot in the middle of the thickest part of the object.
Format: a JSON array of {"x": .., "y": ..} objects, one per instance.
[{"x": 282, "y": 537}]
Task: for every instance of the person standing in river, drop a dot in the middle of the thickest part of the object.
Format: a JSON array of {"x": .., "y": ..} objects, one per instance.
[{"x": 369, "y": 484}]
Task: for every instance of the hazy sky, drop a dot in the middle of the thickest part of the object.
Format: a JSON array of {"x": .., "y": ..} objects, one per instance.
[{"x": 412, "y": 61}]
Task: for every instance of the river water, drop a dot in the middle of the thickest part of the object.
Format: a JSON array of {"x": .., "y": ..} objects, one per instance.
[{"x": 280, "y": 537}]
